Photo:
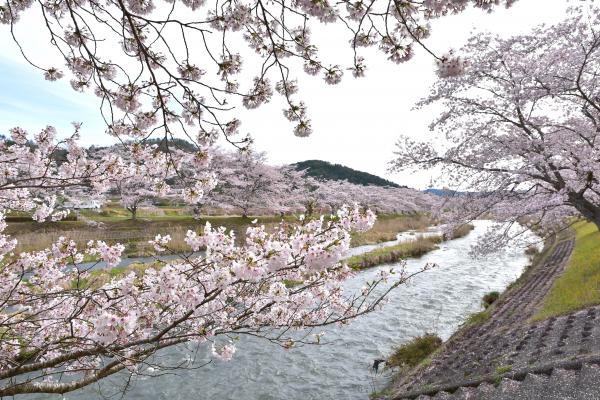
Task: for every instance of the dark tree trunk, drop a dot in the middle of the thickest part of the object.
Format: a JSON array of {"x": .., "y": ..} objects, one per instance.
[
  {"x": 597, "y": 222},
  {"x": 588, "y": 210},
  {"x": 133, "y": 211}
]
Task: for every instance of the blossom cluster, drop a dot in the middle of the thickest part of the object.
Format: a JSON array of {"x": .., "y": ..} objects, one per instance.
[
  {"x": 175, "y": 84},
  {"x": 59, "y": 318},
  {"x": 521, "y": 125},
  {"x": 58, "y": 312}
]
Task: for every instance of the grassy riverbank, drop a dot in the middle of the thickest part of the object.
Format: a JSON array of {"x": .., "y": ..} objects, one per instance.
[
  {"x": 411, "y": 249},
  {"x": 387, "y": 227},
  {"x": 414, "y": 352},
  {"x": 385, "y": 255},
  {"x": 99, "y": 277},
  {"x": 579, "y": 286}
]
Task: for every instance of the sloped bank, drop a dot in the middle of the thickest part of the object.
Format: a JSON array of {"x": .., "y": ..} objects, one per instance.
[{"x": 516, "y": 353}]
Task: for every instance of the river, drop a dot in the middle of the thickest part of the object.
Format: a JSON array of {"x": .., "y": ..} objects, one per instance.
[{"x": 437, "y": 301}]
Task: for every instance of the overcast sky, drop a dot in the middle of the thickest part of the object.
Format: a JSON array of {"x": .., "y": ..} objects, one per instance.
[{"x": 355, "y": 123}]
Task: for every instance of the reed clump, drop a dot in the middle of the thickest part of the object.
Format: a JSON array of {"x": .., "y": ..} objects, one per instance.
[
  {"x": 411, "y": 354},
  {"x": 386, "y": 255}
]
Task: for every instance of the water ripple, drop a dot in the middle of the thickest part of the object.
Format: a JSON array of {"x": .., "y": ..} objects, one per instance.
[{"x": 436, "y": 301}]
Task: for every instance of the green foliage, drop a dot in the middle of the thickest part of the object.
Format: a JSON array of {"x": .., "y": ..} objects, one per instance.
[
  {"x": 478, "y": 318},
  {"x": 579, "y": 286},
  {"x": 414, "y": 352},
  {"x": 336, "y": 172},
  {"x": 490, "y": 298},
  {"x": 500, "y": 372}
]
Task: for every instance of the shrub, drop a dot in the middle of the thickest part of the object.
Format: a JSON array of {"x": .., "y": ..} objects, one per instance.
[
  {"x": 532, "y": 251},
  {"x": 414, "y": 352},
  {"x": 490, "y": 298}
]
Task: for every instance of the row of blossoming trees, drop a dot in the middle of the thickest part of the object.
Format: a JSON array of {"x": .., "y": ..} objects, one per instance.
[
  {"x": 172, "y": 68},
  {"x": 247, "y": 185}
]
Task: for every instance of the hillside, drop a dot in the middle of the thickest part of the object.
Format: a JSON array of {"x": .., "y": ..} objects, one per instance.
[{"x": 336, "y": 172}]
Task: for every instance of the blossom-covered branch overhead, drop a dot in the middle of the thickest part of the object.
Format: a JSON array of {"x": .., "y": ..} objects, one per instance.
[{"x": 173, "y": 66}]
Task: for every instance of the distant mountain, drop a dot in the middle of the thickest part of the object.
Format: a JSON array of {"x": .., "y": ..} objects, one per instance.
[
  {"x": 335, "y": 172},
  {"x": 447, "y": 192},
  {"x": 439, "y": 192}
]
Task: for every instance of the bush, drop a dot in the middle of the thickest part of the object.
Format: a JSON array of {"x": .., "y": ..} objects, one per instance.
[
  {"x": 414, "y": 352},
  {"x": 490, "y": 298},
  {"x": 532, "y": 251}
]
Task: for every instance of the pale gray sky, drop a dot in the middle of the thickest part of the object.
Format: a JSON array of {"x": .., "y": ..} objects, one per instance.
[{"x": 355, "y": 123}]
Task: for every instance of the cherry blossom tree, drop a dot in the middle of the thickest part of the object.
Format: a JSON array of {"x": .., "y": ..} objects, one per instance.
[
  {"x": 160, "y": 69},
  {"x": 156, "y": 80},
  {"x": 293, "y": 183},
  {"x": 248, "y": 184},
  {"x": 134, "y": 191},
  {"x": 309, "y": 194},
  {"x": 521, "y": 125},
  {"x": 60, "y": 331}
]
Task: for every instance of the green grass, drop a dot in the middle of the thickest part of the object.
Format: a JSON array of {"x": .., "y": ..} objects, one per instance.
[
  {"x": 503, "y": 369},
  {"x": 412, "y": 249},
  {"x": 100, "y": 277},
  {"x": 500, "y": 372},
  {"x": 478, "y": 318},
  {"x": 579, "y": 286},
  {"x": 416, "y": 351}
]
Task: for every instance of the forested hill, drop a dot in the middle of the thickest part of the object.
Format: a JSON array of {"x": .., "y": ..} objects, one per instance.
[{"x": 336, "y": 172}]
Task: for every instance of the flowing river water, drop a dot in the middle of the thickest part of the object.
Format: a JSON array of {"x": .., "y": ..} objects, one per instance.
[{"x": 436, "y": 301}]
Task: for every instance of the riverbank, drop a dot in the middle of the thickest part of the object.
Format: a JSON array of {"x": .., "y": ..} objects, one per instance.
[
  {"x": 135, "y": 234},
  {"x": 414, "y": 247},
  {"x": 579, "y": 286},
  {"x": 340, "y": 368},
  {"x": 539, "y": 341},
  {"x": 391, "y": 254},
  {"x": 387, "y": 227}
]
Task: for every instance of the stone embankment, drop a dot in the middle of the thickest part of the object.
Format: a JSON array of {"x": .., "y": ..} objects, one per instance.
[{"x": 511, "y": 356}]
